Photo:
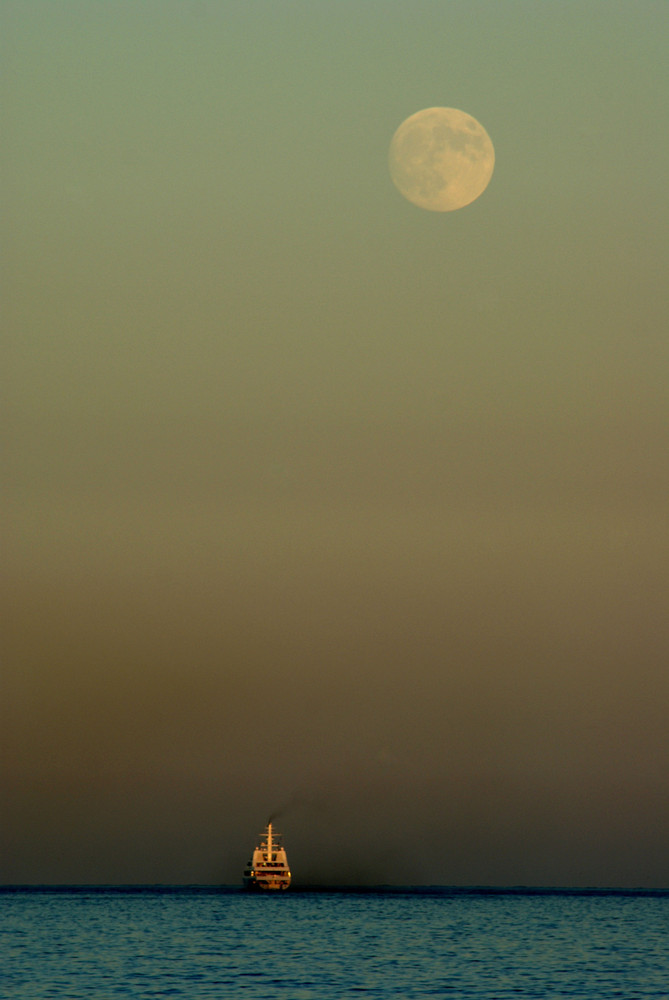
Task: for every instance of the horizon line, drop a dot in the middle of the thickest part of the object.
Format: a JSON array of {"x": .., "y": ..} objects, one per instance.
[{"x": 381, "y": 888}]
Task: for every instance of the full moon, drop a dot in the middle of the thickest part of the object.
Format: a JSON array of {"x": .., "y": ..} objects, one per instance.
[{"x": 441, "y": 159}]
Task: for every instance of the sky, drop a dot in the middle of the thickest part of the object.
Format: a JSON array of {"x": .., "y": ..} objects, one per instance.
[{"x": 318, "y": 502}]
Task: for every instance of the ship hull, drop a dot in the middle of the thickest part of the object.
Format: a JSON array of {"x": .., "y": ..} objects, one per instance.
[{"x": 266, "y": 884}]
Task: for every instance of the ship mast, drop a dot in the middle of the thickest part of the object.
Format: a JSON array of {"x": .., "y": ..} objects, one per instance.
[{"x": 269, "y": 841}]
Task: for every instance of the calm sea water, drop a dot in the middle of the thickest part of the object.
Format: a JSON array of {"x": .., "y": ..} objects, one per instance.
[{"x": 99, "y": 944}]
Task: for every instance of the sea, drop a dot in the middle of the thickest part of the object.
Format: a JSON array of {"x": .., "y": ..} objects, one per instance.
[{"x": 199, "y": 942}]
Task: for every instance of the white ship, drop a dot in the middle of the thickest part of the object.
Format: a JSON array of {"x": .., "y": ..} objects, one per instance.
[{"x": 268, "y": 868}]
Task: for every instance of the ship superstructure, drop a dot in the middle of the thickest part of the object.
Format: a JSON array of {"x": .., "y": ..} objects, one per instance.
[{"x": 268, "y": 867}]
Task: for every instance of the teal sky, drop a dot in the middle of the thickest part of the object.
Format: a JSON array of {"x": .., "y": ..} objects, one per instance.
[{"x": 316, "y": 497}]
